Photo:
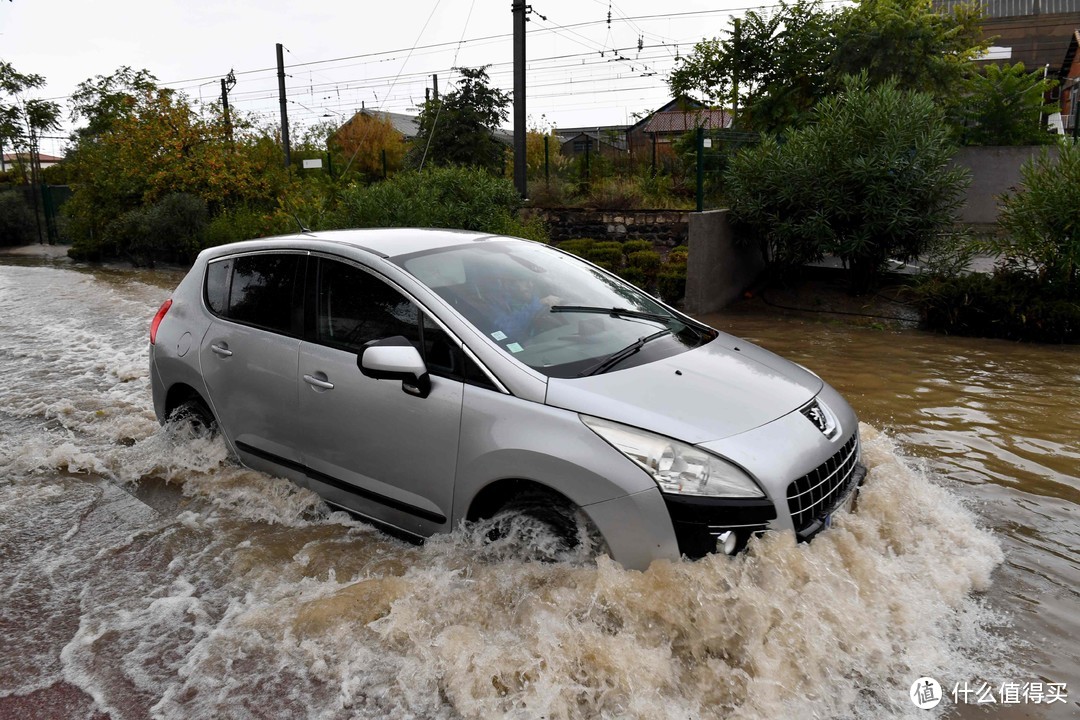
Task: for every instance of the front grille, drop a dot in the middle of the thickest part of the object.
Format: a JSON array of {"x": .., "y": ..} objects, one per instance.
[{"x": 816, "y": 494}]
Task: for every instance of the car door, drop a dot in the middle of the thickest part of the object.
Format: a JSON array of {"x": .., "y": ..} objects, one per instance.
[
  {"x": 371, "y": 446},
  {"x": 249, "y": 354}
]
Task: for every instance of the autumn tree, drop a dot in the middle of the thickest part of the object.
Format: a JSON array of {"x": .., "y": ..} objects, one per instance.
[
  {"x": 459, "y": 128},
  {"x": 149, "y": 143},
  {"x": 369, "y": 144}
]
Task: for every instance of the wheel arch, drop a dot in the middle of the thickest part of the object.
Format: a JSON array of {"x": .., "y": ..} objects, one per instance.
[
  {"x": 498, "y": 493},
  {"x": 181, "y": 393}
]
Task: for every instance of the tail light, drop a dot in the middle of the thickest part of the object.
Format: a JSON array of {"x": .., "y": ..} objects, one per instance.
[{"x": 157, "y": 320}]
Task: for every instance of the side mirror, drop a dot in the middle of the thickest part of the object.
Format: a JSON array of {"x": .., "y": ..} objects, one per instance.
[{"x": 395, "y": 358}]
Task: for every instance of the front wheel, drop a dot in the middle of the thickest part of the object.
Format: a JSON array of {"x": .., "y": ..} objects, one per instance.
[{"x": 544, "y": 527}]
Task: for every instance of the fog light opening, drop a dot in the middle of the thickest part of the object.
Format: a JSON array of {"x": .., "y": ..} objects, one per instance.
[{"x": 726, "y": 542}]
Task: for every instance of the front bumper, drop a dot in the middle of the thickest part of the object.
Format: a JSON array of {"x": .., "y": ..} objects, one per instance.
[{"x": 808, "y": 504}]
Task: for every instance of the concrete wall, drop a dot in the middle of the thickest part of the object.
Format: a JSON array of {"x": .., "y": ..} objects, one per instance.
[
  {"x": 994, "y": 170},
  {"x": 717, "y": 271}
]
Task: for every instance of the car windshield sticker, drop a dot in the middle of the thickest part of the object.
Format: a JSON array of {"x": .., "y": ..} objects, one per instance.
[
  {"x": 499, "y": 335},
  {"x": 514, "y": 348}
]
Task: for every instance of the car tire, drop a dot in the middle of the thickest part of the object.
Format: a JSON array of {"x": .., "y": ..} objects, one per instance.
[
  {"x": 194, "y": 416},
  {"x": 545, "y": 527}
]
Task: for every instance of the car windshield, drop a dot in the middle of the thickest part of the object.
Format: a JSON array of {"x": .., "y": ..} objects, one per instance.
[{"x": 550, "y": 310}]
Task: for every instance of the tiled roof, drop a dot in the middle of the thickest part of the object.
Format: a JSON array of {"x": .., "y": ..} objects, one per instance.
[
  {"x": 10, "y": 157},
  {"x": 677, "y": 121}
]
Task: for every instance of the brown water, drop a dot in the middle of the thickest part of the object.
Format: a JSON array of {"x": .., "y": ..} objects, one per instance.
[{"x": 144, "y": 574}]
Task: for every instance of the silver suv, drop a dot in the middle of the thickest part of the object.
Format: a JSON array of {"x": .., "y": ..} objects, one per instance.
[{"x": 421, "y": 378}]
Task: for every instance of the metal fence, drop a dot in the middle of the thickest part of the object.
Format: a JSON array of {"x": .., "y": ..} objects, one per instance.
[{"x": 44, "y": 203}]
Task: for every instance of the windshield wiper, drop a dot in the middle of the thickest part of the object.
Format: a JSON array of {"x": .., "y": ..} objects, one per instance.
[
  {"x": 616, "y": 358},
  {"x": 613, "y": 312}
]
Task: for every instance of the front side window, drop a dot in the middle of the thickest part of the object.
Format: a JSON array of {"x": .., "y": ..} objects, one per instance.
[
  {"x": 550, "y": 310},
  {"x": 355, "y": 307}
]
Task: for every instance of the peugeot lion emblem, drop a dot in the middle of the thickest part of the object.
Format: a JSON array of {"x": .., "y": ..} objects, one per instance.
[{"x": 819, "y": 414}]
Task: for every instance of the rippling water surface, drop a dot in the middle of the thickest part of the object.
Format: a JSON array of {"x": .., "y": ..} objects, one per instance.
[{"x": 144, "y": 574}]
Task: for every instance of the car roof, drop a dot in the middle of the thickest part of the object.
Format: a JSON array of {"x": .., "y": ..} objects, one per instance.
[{"x": 388, "y": 242}]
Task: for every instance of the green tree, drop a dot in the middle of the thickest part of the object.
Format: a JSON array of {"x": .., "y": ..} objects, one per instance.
[
  {"x": 23, "y": 119},
  {"x": 921, "y": 47},
  {"x": 867, "y": 180},
  {"x": 1042, "y": 221},
  {"x": 104, "y": 100},
  {"x": 459, "y": 128},
  {"x": 445, "y": 197},
  {"x": 779, "y": 62},
  {"x": 1004, "y": 105},
  {"x": 783, "y": 63}
]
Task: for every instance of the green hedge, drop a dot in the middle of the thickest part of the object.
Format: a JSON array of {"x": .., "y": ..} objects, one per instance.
[{"x": 1012, "y": 305}]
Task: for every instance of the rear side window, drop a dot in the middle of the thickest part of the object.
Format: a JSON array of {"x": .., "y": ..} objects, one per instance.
[{"x": 262, "y": 290}]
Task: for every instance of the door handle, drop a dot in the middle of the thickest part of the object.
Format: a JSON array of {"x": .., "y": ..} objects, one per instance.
[
  {"x": 312, "y": 380},
  {"x": 222, "y": 350}
]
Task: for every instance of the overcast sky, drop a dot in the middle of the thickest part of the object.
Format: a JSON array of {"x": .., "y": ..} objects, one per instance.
[{"x": 340, "y": 55}]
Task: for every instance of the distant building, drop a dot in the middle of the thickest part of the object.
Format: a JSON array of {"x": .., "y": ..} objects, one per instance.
[
  {"x": 655, "y": 133},
  {"x": 12, "y": 159},
  {"x": 1069, "y": 83},
  {"x": 1034, "y": 32},
  {"x": 408, "y": 125}
]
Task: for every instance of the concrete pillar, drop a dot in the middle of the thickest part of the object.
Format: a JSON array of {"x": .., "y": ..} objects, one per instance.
[{"x": 717, "y": 270}]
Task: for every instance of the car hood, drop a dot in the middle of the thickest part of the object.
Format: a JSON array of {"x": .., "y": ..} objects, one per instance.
[{"x": 723, "y": 388}]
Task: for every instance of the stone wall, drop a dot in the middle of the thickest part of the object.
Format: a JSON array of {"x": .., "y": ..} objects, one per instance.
[{"x": 664, "y": 228}]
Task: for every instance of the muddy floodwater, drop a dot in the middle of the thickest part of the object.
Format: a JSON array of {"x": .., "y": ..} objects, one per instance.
[{"x": 143, "y": 573}]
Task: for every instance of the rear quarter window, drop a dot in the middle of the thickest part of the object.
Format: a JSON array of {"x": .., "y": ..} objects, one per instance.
[
  {"x": 218, "y": 275},
  {"x": 264, "y": 290}
]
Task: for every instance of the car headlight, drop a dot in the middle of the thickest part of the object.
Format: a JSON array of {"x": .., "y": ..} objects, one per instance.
[{"x": 677, "y": 467}]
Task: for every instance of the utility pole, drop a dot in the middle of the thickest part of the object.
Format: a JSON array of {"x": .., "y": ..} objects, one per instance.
[
  {"x": 435, "y": 86},
  {"x": 284, "y": 109},
  {"x": 519, "y": 10},
  {"x": 227, "y": 83},
  {"x": 735, "y": 75}
]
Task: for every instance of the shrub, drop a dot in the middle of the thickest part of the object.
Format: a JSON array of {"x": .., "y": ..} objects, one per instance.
[
  {"x": 245, "y": 223},
  {"x": 632, "y": 246},
  {"x": 17, "y": 224},
  {"x": 868, "y": 180},
  {"x": 170, "y": 230},
  {"x": 577, "y": 246},
  {"x": 1041, "y": 222},
  {"x": 1006, "y": 305},
  {"x": 443, "y": 197},
  {"x": 647, "y": 260},
  {"x": 609, "y": 258}
]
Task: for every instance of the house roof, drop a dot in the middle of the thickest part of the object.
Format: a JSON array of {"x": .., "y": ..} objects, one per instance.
[
  {"x": 1014, "y": 8},
  {"x": 618, "y": 142},
  {"x": 14, "y": 157},
  {"x": 681, "y": 102},
  {"x": 407, "y": 125},
  {"x": 1070, "y": 55},
  {"x": 679, "y": 121}
]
